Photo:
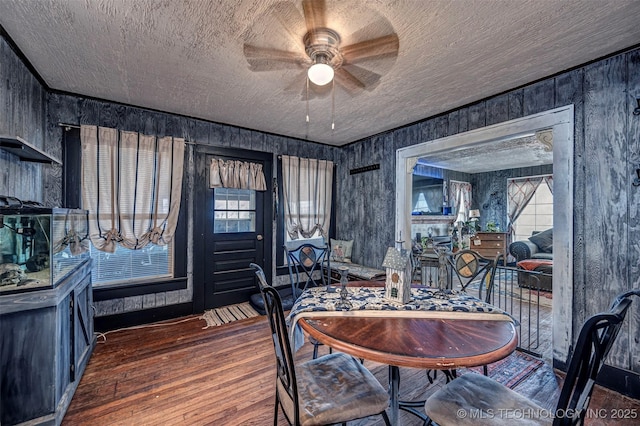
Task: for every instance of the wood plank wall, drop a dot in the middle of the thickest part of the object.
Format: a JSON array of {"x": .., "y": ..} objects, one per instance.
[
  {"x": 606, "y": 206},
  {"x": 607, "y": 151}
]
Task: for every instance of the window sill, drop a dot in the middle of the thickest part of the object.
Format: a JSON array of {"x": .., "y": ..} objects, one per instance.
[{"x": 128, "y": 290}]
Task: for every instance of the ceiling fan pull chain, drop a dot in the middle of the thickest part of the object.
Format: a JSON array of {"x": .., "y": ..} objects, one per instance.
[
  {"x": 307, "y": 96},
  {"x": 333, "y": 104}
]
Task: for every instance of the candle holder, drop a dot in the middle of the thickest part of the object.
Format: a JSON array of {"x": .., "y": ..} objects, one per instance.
[{"x": 343, "y": 303}]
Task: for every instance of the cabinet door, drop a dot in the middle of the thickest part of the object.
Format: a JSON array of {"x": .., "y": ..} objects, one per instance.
[{"x": 83, "y": 324}]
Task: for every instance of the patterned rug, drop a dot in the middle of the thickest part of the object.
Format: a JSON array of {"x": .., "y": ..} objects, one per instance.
[
  {"x": 527, "y": 375},
  {"x": 226, "y": 314},
  {"x": 514, "y": 369}
]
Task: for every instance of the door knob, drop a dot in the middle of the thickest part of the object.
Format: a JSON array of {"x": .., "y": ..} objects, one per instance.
[{"x": 259, "y": 237}]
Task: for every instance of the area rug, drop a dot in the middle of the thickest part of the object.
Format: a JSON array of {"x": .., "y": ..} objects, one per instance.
[
  {"x": 226, "y": 314},
  {"x": 528, "y": 375},
  {"x": 514, "y": 369}
]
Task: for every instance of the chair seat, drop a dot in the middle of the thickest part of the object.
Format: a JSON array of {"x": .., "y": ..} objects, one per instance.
[
  {"x": 474, "y": 399},
  {"x": 258, "y": 303},
  {"x": 341, "y": 378}
]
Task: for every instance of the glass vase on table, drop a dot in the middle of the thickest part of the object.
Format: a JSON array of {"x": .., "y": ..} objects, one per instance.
[{"x": 343, "y": 303}]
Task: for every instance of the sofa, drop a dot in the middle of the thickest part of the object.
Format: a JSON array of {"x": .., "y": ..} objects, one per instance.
[{"x": 535, "y": 254}]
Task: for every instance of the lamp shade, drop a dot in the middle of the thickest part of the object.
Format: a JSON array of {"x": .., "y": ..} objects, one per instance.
[
  {"x": 320, "y": 74},
  {"x": 474, "y": 214}
]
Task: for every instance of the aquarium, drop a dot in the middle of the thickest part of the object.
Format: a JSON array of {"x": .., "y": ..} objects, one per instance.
[{"x": 39, "y": 246}]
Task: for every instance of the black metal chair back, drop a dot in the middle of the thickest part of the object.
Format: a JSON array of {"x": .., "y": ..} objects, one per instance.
[
  {"x": 305, "y": 261},
  {"x": 469, "y": 265},
  {"x": 596, "y": 338},
  {"x": 286, "y": 373}
]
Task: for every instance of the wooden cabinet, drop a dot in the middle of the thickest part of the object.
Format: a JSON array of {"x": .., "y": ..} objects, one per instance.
[
  {"x": 490, "y": 244},
  {"x": 46, "y": 341}
]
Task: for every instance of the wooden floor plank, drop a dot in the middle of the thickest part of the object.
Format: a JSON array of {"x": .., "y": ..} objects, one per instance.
[{"x": 182, "y": 374}]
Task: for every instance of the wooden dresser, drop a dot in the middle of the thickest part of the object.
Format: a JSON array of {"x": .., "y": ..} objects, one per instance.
[{"x": 490, "y": 244}]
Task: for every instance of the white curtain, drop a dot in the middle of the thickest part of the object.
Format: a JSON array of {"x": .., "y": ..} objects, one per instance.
[
  {"x": 520, "y": 192},
  {"x": 131, "y": 185},
  {"x": 236, "y": 174},
  {"x": 306, "y": 186},
  {"x": 460, "y": 195}
]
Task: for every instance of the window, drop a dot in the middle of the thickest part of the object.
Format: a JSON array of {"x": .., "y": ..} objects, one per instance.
[
  {"x": 537, "y": 215},
  {"x": 234, "y": 210},
  {"x": 124, "y": 265},
  {"x": 132, "y": 188},
  {"x": 305, "y": 203}
]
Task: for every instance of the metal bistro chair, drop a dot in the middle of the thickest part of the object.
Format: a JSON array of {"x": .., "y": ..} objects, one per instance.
[
  {"x": 333, "y": 388},
  {"x": 468, "y": 265},
  {"x": 304, "y": 261},
  {"x": 477, "y": 393}
]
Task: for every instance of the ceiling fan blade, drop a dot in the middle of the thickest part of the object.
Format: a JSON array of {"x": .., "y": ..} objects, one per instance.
[
  {"x": 369, "y": 78},
  {"x": 373, "y": 48},
  {"x": 268, "y": 59},
  {"x": 314, "y": 14},
  {"x": 255, "y": 52},
  {"x": 348, "y": 80}
]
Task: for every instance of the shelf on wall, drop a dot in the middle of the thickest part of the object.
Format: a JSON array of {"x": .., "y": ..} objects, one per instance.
[{"x": 27, "y": 152}]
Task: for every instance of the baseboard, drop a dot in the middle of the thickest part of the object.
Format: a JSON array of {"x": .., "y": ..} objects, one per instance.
[
  {"x": 623, "y": 381},
  {"x": 146, "y": 316}
]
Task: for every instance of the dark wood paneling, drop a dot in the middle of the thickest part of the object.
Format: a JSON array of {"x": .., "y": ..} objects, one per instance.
[
  {"x": 515, "y": 104},
  {"x": 633, "y": 220},
  {"x": 606, "y": 206},
  {"x": 477, "y": 116},
  {"x": 497, "y": 109},
  {"x": 539, "y": 97}
]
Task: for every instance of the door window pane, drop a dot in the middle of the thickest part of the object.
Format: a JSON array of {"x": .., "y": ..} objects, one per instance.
[{"x": 234, "y": 210}]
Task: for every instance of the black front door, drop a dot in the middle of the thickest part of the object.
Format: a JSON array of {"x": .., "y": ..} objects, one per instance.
[{"x": 236, "y": 227}]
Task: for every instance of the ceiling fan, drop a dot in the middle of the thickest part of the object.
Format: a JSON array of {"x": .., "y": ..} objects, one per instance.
[{"x": 323, "y": 57}]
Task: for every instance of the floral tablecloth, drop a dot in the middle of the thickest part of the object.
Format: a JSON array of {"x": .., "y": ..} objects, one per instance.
[{"x": 370, "y": 302}]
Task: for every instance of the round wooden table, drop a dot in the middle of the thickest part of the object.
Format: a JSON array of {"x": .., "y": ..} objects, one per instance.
[{"x": 429, "y": 343}]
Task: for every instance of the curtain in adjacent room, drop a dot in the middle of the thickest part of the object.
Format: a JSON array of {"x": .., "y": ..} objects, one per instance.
[
  {"x": 520, "y": 192},
  {"x": 236, "y": 174},
  {"x": 131, "y": 185},
  {"x": 306, "y": 186},
  {"x": 460, "y": 196}
]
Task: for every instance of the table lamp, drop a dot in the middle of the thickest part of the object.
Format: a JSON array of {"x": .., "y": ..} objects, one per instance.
[{"x": 474, "y": 216}]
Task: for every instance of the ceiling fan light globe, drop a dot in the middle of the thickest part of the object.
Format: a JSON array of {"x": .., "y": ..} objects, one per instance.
[{"x": 320, "y": 74}]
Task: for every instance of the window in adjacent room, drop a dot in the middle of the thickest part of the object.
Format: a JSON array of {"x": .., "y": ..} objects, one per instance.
[{"x": 537, "y": 213}]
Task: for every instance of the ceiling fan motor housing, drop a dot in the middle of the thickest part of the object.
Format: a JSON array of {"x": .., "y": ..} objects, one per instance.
[{"x": 322, "y": 45}]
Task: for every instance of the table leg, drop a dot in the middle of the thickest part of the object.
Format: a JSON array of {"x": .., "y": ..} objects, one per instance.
[
  {"x": 394, "y": 384},
  {"x": 396, "y": 405}
]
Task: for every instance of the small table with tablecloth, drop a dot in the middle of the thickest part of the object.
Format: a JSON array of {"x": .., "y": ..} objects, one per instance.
[{"x": 435, "y": 330}]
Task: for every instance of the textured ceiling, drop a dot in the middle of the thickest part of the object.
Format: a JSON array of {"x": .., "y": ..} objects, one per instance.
[{"x": 187, "y": 57}]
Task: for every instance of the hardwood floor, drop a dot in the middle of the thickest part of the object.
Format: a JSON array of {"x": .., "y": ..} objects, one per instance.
[{"x": 179, "y": 373}]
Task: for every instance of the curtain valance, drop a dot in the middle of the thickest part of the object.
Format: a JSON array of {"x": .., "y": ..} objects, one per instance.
[{"x": 236, "y": 174}]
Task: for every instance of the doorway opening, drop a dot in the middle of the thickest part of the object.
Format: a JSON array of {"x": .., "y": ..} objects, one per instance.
[{"x": 560, "y": 122}]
